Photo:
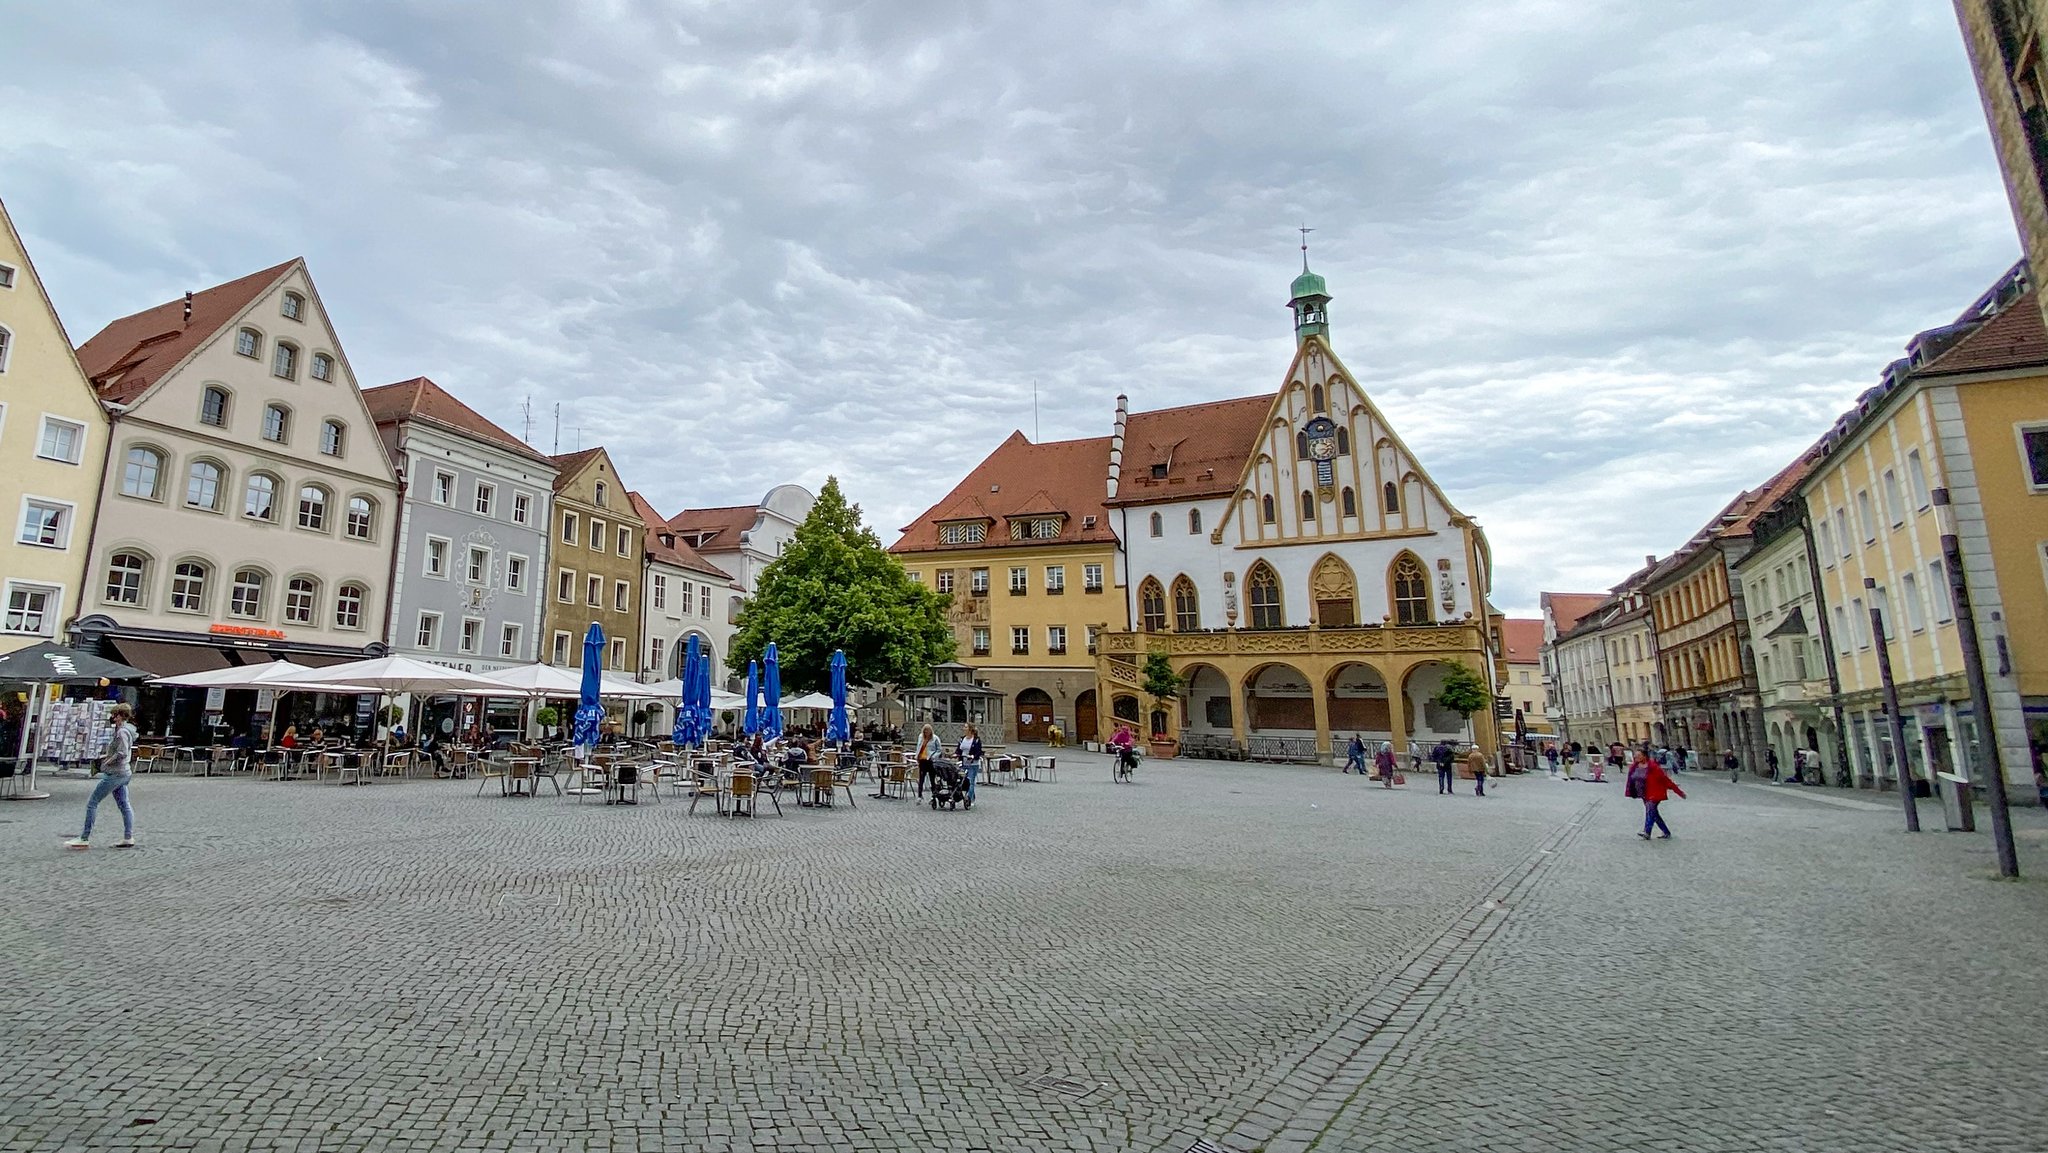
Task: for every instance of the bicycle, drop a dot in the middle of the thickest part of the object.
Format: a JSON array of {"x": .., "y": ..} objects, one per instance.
[{"x": 1125, "y": 764}]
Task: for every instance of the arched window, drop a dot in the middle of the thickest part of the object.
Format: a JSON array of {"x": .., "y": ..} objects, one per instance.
[
  {"x": 299, "y": 595},
  {"x": 143, "y": 474},
  {"x": 1194, "y": 521},
  {"x": 362, "y": 518},
  {"x": 1343, "y": 441},
  {"x": 6, "y": 342},
  {"x": 1262, "y": 592},
  {"x": 1409, "y": 583},
  {"x": 245, "y": 596},
  {"x": 1315, "y": 398},
  {"x": 294, "y": 307},
  {"x": 277, "y": 422},
  {"x": 332, "y": 436},
  {"x": 348, "y": 607},
  {"x": 259, "y": 497},
  {"x": 1334, "y": 592},
  {"x": 284, "y": 361},
  {"x": 1158, "y": 525},
  {"x": 1390, "y": 495},
  {"x": 213, "y": 406},
  {"x": 600, "y": 494},
  {"x": 1350, "y": 499},
  {"x": 188, "y": 587},
  {"x": 1301, "y": 444},
  {"x": 313, "y": 508},
  {"x": 1308, "y": 505},
  {"x": 1266, "y": 508},
  {"x": 125, "y": 573},
  {"x": 1187, "y": 606},
  {"x": 322, "y": 367},
  {"x": 1151, "y": 606},
  {"x": 249, "y": 343},
  {"x": 202, "y": 486}
]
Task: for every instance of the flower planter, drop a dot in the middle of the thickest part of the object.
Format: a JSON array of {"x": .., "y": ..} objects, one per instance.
[{"x": 1162, "y": 749}]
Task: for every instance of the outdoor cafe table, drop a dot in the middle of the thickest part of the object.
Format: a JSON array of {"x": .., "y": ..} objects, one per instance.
[{"x": 510, "y": 785}]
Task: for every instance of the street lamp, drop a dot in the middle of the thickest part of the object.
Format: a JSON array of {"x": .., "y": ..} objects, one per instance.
[
  {"x": 1896, "y": 723},
  {"x": 1980, "y": 692}
]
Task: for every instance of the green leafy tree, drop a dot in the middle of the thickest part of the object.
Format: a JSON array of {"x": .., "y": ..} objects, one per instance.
[
  {"x": 836, "y": 587},
  {"x": 1463, "y": 692},
  {"x": 1160, "y": 679}
]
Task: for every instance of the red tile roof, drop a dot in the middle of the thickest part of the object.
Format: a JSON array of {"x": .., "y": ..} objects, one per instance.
[
  {"x": 680, "y": 553},
  {"x": 1203, "y": 446},
  {"x": 716, "y": 529},
  {"x": 1025, "y": 479},
  {"x": 127, "y": 356},
  {"x": 1524, "y": 639},
  {"x": 2014, "y": 338},
  {"x": 571, "y": 463},
  {"x": 423, "y": 400},
  {"x": 1568, "y": 609},
  {"x": 1762, "y": 499}
]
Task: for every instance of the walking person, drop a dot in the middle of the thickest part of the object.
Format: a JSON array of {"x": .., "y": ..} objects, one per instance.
[
  {"x": 1657, "y": 787},
  {"x": 117, "y": 768},
  {"x": 1475, "y": 762},
  {"x": 1734, "y": 767},
  {"x": 1384, "y": 762},
  {"x": 1446, "y": 776},
  {"x": 970, "y": 760},
  {"x": 927, "y": 752},
  {"x": 1354, "y": 756},
  {"x": 1550, "y": 754}
]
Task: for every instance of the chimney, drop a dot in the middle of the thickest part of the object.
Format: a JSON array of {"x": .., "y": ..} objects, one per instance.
[
  {"x": 1650, "y": 560},
  {"x": 1116, "y": 443},
  {"x": 188, "y": 308}
]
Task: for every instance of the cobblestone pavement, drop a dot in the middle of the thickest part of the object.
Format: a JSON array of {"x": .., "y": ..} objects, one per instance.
[{"x": 1257, "y": 956}]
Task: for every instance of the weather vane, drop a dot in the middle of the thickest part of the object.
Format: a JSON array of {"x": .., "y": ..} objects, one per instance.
[{"x": 1304, "y": 230}]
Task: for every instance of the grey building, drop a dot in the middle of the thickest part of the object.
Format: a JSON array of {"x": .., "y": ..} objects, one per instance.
[{"x": 472, "y": 543}]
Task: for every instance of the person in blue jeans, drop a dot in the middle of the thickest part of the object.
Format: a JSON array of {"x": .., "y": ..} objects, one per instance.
[
  {"x": 970, "y": 760},
  {"x": 117, "y": 768},
  {"x": 1354, "y": 755}
]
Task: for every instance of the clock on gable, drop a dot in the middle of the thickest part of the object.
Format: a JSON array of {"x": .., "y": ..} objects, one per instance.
[{"x": 1322, "y": 449}]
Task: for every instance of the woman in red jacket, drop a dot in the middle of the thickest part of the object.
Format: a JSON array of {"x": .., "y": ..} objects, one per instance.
[{"x": 1657, "y": 785}]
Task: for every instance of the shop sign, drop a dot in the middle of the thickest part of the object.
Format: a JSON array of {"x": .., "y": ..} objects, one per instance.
[{"x": 246, "y": 631}]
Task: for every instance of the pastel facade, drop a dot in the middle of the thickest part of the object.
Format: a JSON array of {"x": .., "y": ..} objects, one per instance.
[
  {"x": 742, "y": 540},
  {"x": 594, "y": 564},
  {"x": 53, "y": 436},
  {"x": 682, "y": 595},
  {"x": 2005, "y": 40},
  {"x": 1789, "y": 631},
  {"x": 1524, "y": 687}
]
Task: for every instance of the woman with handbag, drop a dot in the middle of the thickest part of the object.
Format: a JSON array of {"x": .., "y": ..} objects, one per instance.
[{"x": 927, "y": 752}]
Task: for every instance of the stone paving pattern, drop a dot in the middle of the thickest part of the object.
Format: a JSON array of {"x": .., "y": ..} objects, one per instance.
[{"x": 1260, "y": 956}]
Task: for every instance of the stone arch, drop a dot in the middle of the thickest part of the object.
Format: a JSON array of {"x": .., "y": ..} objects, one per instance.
[
  {"x": 1208, "y": 701},
  {"x": 1408, "y": 590},
  {"x": 1036, "y": 704},
  {"x": 1358, "y": 701},
  {"x": 1428, "y": 722},
  {"x": 1333, "y": 592},
  {"x": 1279, "y": 700},
  {"x": 1087, "y": 721}
]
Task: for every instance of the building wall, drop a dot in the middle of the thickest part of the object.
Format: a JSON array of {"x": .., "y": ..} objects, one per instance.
[
  {"x": 1792, "y": 670},
  {"x": 166, "y": 530},
  {"x": 590, "y": 511},
  {"x": 1586, "y": 696},
  {"x": 427, "y": 453},
  {"x": 1634, "y": 680},
  {"x": 2004, "y": 39},
  {"x": 1526, "y": 689},
  {"x": 690, "y": 603},
  {"x": 40, "y": 380}
]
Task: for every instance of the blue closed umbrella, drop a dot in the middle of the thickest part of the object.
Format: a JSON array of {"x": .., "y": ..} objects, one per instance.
[
  {"x": 771, "y": 676},
  {"x": 685, "y": 733},
  {"x": 700, "y": 698},
  {"x": 752, "y": 722},
  {"x": 589, "y": 713},
  {"x": 835, "y": 725}
]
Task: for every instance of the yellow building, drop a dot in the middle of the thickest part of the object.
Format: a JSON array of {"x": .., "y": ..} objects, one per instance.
[
  {"x": 593, "y": 564},
  {"x": 1025, "y": 549},
  {"x": 53, "y": 436},
  {"x": 2005, "y": 40},
  {"x": 1967, "y": 410},
  {"x": 1522, "y": 640}
]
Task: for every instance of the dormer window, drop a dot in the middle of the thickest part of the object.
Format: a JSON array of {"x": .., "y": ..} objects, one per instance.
[
  {"x": 249, "y": 344},
  {"x": 294, "y": 307},
  {"x": 1035, "y": 528},
  {"x": 972, "y": 532},
  {"x": 1159, "y": 472}
]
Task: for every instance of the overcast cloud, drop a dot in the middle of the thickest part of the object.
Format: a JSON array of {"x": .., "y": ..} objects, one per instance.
[{"x": 1602, "y": 264}]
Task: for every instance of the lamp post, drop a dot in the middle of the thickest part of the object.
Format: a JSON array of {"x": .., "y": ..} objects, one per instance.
[
  {"x": 1893, "y": 721},
  {"x": 1980, "y": 692}
]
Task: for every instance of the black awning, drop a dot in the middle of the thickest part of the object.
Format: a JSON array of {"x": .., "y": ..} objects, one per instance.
[
  {"x": 52, "y": 663},
  {"x": 166, "y": 659}
]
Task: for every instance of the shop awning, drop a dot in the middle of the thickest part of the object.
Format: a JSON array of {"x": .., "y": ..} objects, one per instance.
[
  {"x": 168, "y": 660},
  {"x": 323, "y": 660}
]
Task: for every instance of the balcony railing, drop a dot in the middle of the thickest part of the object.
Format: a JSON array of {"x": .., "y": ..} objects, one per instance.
[{"x": 1453, "y": 635}]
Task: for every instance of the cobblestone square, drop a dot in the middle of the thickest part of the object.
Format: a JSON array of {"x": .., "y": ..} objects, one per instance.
[{"x": 1258, "y": 956}]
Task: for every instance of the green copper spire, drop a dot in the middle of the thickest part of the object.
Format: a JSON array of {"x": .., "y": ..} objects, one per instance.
[{"x": 1309, "y": 297}]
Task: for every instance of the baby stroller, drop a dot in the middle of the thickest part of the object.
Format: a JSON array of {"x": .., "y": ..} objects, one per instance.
[{"x": 947, "y": 782}]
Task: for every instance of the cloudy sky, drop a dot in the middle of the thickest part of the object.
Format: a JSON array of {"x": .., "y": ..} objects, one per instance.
[{"x": 1603, "y": 264}]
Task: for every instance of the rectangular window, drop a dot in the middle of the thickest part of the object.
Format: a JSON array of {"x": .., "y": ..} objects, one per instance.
[
  {"x": 568, "y": 528},
  {"x": 618, "y": 654},
  {"x": 1916, "y": 479},
  {"x": 486, "y": 498},
  {"x": 429, "y": 635},
  {"x": 1843, "y": 541},
  {"x": 1055, "y": 579},
  {"x": 560, "y": 655},
  {"x": 1859, "y": 619},
  {"x": 515, "y": 574},
  {"x": 686, "y": 595},
  {"x": 565, "y": 585},
  {"x": 977, "y": 581},
  {"x": 31, "y": 609},
  {"x": 621, "y": 592},
  {"x": 1824, "y": 543},
  {"x": 625, "y": 542},
  {"x": 597, "y": 536},
  {"x": 1937, "y": 592},
  {"x": 1020, "y": 580},
  {"x": 508, "y": 642},
  {"x": 62, "y": 440},
  {"x": 444, "y": 488},
  {"x": 1865, "y": 520},
  {"x": 704, "y": 601},
  {"x": 2034, "y": 455},
  {"x": 657, "y": 589},
  {"x": 6, "y": 276},
  {"x": 522, "y": 508},
  {"x": 980, "y": 641},
  {"x": 1909, "y": 591},
  {"x": 437, "y": 557},
  {"x": 1894, "y": 502},
  {"x": 479, "y": 567},
  {"x": 1091, "y": 578},
  {"x": 593, "y": 591},
  {"x": 1056, "y": 639},
  {"x": 654, "y": 653},
  {"x": 1020, "y": 641},
  {"x": 472, "y": 634},
  {"x": 1881, "y": 600},
  {"x": 1842, "y": 635},
  {"x": 1093, "y": 632},
  {"x": 945, "y": 580},
  {"x": 916, "y": 577},
  {"x": 45, "y": 523}
]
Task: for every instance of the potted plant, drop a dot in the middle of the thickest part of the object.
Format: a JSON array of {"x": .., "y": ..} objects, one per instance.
[
  {"x": 547, "y": 716},
  {"x": 1464, "y": 693},
  {"x": 1162, "y": 683},
  {"x": 639, "y": 720}
]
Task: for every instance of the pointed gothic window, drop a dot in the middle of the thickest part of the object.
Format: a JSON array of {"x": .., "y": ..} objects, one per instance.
[
  {"x": 1350, "y": 502},
  {"x": 1158, "y": 525},
  {"x": 1187, "y": 606},
  {"x": 1262, "y": 591},
  {"x": 1343, "y": 441},
  {"x": 1308, "y": 505},
  {"x": 1301, "y": 445},
  {"x": 1194, "y": 521},
  {"x": 1390, "y": 495},
  {"x": 1315, "y": 396},
  {"x": 1409, "y": 584},
  {"x": 1151, "y": 606},
  {"x": 1266, "y": 508}
]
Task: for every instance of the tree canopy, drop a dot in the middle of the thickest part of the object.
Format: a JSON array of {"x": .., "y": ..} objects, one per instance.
[
  {"x": 836, "y": 587},
  {"x": 1463, "y": 692}
]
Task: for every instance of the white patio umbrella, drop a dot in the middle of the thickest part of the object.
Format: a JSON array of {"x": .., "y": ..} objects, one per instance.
[
  {"x": 721, "y": 700},
  {"x": 810, "y": 701},
  {"x": 537, "y": 680},
  {"x": 623, "y": 687},
  {"x": 268, "y": 675},
  {"x": 398, "y": 675}
]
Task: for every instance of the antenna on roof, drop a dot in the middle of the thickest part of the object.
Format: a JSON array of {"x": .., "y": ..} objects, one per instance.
[
  {"x": 1304, "y": 230},
  {"x": 557, "y": 450},
  {"x": 188, "y": 306},
  {"x": 1034, "y": 409},
  {"x": 526, "y": 411}
]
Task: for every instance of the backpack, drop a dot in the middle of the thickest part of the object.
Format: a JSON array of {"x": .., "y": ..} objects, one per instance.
[{"x": 1638, "y": 780}]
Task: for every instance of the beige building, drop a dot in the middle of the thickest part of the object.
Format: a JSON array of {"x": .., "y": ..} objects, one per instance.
[
  {"x": 1528, "y": 699},
  {"x": 247, "y": 503},
  {"x": 2005, "y": 40},
  {"x": 53, "y": 436}
]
